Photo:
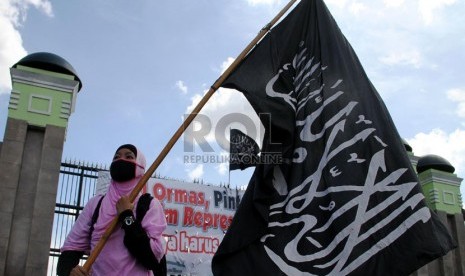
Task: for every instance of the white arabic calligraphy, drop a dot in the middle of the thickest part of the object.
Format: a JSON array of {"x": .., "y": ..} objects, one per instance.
[{"x": 292, "y": 211}]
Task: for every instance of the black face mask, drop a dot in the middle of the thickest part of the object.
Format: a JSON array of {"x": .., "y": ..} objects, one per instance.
[{"x": 122, "y": 170}]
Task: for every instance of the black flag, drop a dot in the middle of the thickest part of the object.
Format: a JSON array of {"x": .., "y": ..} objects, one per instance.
[
  {"x": 243, "y": 150},
  {"x": 345, "y": 199}
]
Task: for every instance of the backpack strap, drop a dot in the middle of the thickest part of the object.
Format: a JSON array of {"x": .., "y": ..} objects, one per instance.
[
  {"x": 143, "y": 205},
  {"x": 95, "y": 217}
]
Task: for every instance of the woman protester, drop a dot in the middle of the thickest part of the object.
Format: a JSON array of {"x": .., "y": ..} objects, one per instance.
[{"x": 135, "y": 248}]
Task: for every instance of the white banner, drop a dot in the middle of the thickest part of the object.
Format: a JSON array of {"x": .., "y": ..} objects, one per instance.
[{"x": 197, "y": 215}]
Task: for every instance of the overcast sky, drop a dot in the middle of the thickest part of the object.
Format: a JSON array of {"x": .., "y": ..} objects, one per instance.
[{"x": 144, "y": 64}]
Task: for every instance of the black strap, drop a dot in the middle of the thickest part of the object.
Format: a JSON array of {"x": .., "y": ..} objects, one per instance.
[
  {"x": 161, "y": 267},
  {"x": 95, "y": 217},
  {"x": 143, "y": 205}
]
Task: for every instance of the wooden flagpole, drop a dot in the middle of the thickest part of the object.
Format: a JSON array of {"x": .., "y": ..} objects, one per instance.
[{"x": 99, "y": 246}]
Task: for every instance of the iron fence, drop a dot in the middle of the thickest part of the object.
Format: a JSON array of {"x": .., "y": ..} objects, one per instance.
[{"x": 76, "y": 186}]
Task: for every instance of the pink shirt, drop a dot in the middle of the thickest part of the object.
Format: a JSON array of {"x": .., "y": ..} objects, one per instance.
[{"x": 115, "y": 259}]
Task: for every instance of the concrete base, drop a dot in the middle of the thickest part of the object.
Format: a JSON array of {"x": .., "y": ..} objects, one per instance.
[{"x": 30, "y": 160}]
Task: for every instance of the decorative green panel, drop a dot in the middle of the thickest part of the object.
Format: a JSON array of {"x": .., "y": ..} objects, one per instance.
[
  {"x": 40, "y": 106},
  {"x": 441, "y": 190},
  {"x": 41, "y": 97}
]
